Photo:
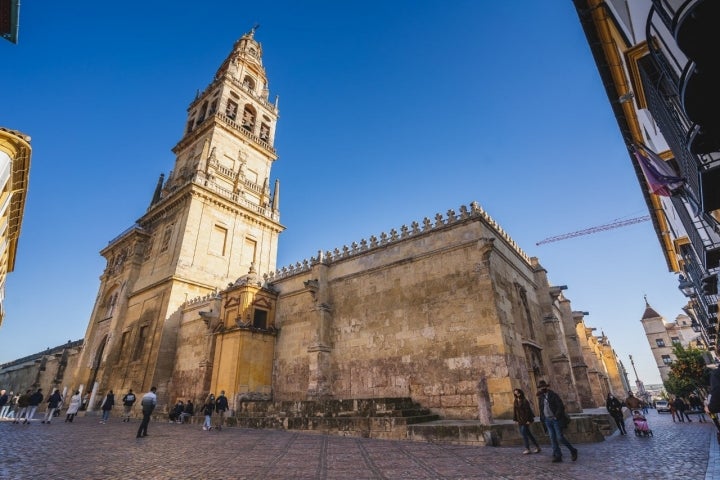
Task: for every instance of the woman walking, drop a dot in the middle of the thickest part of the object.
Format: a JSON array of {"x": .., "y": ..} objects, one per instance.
[
  {"x": 75, "y": 402},
  {"x": 524, "y": 416},
  {"x": 208, "y": 409},
  {"x": 614, "y": 408}
]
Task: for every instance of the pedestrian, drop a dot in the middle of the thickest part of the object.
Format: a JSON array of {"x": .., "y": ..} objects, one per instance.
[
  {"x": 681, "y": 408},
  {"x": 75, "y": 402},
  {"x": 12, "y": 405},
  {"x": 176, "y": 412},
  {"x": 614, "y": 408},
  {"x": 188, "y": 412},
  {"x": 4, "y": 403},
  {"x": 22, "y": 406},
  {"x": 53, "y": 401},
  {"x": 208, "y": 409},
  {"x": 128, "y": 402},
  {"x": 553, "y": 415},
  {"x": 632, "y": 402},
  {"x": 106, "y": 406},
  {"x": 221, "y": 406},
  {"x": 697, "y": 406},
  {"x": 33, "y": 403},
  {"x": 524, "y": 416},
  {"x": 148, "y": 402},
  {"x": 673, "y": 411}
]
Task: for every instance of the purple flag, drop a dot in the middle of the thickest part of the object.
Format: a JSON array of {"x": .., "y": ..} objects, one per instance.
[{"x": 660, "y": 176}]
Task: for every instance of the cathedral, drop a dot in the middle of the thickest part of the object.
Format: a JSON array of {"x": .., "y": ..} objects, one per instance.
[{"x": 448, "y": 311}]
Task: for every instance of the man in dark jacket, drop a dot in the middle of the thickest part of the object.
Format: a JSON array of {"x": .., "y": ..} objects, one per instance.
[
  {"x": 35, "y": 400},
  {"x": 614, "y": 408},
  {"x": 128, "y": 402},
  {"x": 54, "y": 401},
  {"x": 552, "y": 414},
  {"x": 681, "y": 408},
  {"x": 22, "y": 406},
  {"x": 221, "y": 406}
]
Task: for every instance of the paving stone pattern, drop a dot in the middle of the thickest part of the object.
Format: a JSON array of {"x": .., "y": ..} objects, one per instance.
[{"x": 86, "y": 449}]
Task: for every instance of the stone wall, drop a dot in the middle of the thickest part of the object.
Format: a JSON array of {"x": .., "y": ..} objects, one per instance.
[
  {"x": 427, "y": 316},
  {"x": 46, "y": 370}
]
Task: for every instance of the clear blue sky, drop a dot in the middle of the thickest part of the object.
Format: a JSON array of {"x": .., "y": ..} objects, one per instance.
[{"x": 390, "y": 111}]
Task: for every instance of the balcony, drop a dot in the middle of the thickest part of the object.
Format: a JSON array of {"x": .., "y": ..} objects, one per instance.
[
  {"x": 695, "y": 25},
  {"x": 683, "y": 35},
  {"x": 710, "y": 189}
]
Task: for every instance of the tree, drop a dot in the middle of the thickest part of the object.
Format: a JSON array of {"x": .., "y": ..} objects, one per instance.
[{"x": 688, "y": 373}]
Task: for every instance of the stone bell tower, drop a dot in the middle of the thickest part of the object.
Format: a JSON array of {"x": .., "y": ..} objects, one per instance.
[{"x": 208, "y": 223}]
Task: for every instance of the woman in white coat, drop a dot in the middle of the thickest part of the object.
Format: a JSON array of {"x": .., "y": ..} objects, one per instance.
[{"x": 75, "y": 402}]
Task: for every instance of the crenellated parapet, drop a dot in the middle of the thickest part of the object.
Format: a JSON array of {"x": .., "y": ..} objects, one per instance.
[
  {"x": 415, "y": 229},
  {"x": 202, "y": 299}
]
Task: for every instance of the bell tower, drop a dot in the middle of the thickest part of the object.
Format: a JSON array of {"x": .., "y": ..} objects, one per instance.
[{"x": 211, "y": 221}]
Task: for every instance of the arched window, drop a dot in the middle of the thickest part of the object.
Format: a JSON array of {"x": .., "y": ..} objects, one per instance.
[
  {"x": 109, "y": 303},
  {"x": 264, "y": 132},
  {"x": 248, "y": 82},
  {"x": 203, "y": 111},
  {"x": 231, "y": 109},
  {"x": 248, "y": 120}
]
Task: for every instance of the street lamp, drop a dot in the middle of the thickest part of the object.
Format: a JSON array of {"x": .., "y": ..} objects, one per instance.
[{"x": 686, "y": 286}]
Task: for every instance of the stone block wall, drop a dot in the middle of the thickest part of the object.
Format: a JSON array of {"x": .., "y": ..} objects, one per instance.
[{"x": 417, "y": 317}]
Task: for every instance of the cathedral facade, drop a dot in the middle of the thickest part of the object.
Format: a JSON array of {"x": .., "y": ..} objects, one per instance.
[{"x": 448, "y": 311}]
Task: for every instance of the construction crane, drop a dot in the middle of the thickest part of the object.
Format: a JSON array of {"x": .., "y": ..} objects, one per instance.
[{"x": 599, "y": 228}]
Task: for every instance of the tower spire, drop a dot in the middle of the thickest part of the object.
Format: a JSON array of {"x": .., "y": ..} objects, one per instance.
[{"x": 158, "y": 190}]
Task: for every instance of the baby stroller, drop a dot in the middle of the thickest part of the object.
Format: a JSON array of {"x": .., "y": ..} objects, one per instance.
[{"x": 641, "y": 426}]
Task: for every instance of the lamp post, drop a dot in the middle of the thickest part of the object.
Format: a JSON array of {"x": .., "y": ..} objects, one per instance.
[{"x": 641, "y": 393}]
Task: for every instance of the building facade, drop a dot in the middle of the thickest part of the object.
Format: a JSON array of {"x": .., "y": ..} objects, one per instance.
[
  {"x": 662, "y": 337},
  {"x": 15, "y": 152},
  {"x": 207, "y": 224},
  {"x": 447, "y": 311},
  {"x": 659, "y": 66}
]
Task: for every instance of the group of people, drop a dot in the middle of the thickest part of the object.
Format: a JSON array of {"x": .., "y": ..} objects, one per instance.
[
  {"x": 553, "y": 417},
  {"x": 217, "y": 405},
  {"x": 679, "y": 408},
  {"x": 22, "y": 408},
  {"x": 181, "y": 411}
]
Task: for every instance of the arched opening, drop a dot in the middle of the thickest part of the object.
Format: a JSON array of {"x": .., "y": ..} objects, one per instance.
[
  {"x": 249, "y": 116},
  {"x": 97, "y": 360},
  {"x": 248, "y": 82},
  {"x": 203, "y": 112}
]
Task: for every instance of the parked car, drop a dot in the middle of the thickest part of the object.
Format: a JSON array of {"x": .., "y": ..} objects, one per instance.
[{"x": 662, "y": 406}]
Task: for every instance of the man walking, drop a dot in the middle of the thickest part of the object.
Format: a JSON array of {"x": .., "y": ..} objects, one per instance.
[
  {"x": 128, "y": 402},
  {"x": 632, "y": 402},
  {"x": 53, "y": 402},
  {"x": 221, "y": 406},
  {"x": 35, "y": 400},
  {"x": 552, "y": 414},
  {"x": 22, "y": 406},
  {"x": 148, "y": 402}
]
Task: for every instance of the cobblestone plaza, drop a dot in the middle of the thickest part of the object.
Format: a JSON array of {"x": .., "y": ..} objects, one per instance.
[{"x": 86, "y": 449}]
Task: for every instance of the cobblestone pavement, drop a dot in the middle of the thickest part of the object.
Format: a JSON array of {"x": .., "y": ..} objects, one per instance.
[{"x": 86, "y": 449}]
